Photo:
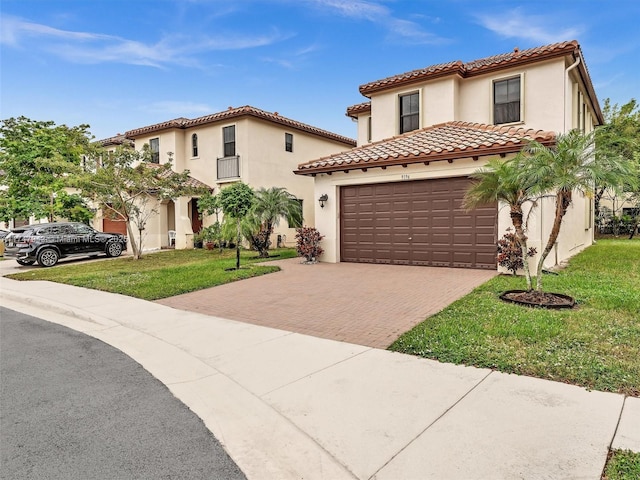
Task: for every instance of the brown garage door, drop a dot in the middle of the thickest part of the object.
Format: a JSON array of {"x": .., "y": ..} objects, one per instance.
[
  {"x": 418, "y": 222},
  {"x": 114, "y": 226}
]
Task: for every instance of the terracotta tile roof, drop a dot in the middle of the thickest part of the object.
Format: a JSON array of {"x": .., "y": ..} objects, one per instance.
[
  {"x": 355, "y": 110},
  {"x": 231, "y": 113},
  {"x": 119, "y": 139},
  {"x": 191, "y": 182},
  {"x": 475, "y": 67},
  {"x": 446, "y": 141},
  {"x": 175, "y": 123}
]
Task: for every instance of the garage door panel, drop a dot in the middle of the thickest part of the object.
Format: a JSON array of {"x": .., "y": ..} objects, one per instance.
[
  {"x": 463, "y": 239},
  {"x": 383, "y": 189},
  {"x": 416, "y": 223},
  {"x": 485, "y": 239}
]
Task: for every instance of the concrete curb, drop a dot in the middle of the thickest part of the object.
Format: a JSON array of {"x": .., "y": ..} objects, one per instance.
[{"x": 290, "y": 406}]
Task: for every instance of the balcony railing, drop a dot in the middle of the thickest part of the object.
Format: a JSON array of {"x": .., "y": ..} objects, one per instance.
[{"x": 229, "y": 167}]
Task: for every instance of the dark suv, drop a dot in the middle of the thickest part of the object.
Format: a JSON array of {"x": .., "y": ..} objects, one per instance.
[{"x": 46, "y": 243}]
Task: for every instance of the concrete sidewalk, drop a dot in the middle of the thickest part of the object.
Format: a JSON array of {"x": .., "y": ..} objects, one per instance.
[{"x": 290, "y": 406}]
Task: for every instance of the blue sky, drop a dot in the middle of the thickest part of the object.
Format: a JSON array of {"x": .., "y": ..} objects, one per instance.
[{"x": 124, "y": 64}]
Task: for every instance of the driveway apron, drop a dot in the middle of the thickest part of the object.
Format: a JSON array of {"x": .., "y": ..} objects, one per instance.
[{"x": 365, "y": 304}]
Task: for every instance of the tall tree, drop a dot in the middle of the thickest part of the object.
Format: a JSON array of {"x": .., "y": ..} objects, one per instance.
[
  {"x": 503, "y": 181},
  {"x": 272, "y": 205},
  {"x": 568, "y": 166},
  {"x": 37, "y": 160},
  {"x": 126, "y": 185},
  {"x": 236, "y": 201},
  {"x": 620, "y": 136}
]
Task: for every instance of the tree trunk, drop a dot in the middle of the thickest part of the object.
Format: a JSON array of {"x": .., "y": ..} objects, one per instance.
[
  {"x": 239, "y": 237},
  {"x": 140, "y": 230},
  {"x": 51, "y": 207},
  {"x": 596, "y": 201},
  {"x": 132, "y": 242},
  {"x": 563, "y": 200},
  {"x": 516, "y": 219}
]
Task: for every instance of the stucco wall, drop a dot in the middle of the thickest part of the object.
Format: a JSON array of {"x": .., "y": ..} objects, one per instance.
[
  {"x": 547, "y": 100},
  {"x": 264, "y": 162},
  {"x": 575, "y": 235}
]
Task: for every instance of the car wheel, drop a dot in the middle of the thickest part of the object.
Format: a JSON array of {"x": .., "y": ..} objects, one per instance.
[
  {"x": 26, "y": 263},
  {"x": 114, "y": 249},
  {"x": 48, "y": 257}
]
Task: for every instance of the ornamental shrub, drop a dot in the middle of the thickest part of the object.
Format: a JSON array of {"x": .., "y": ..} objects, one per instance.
[
  {"x": 510, "y": 253},
  {"x": 308, "y": 243}
]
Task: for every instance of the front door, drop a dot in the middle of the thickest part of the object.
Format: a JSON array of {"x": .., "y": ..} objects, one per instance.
[{"x": 196, "y": 220}]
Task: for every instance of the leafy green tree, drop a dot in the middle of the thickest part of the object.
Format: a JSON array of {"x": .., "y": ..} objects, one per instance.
[
  {"x": 620, "y": 137},
  {"x": 569, "y": 166},
  {"x": 126, "y": 185},
  {"x": 236, "y": 201},
  {"x": 272, "y": 205},
  {"x": 73, "y": 207},
  {"x": 504, "y": 181},
  {"x": 37, "y": 161}
]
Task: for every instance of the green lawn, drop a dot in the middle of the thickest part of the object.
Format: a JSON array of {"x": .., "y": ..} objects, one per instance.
[
  {"x": 596, "y": 345},
  {"x": 159, "y": 275},
  {"x": 623, "y": 465}
]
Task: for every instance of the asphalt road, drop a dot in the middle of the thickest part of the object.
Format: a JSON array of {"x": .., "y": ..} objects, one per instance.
[{"x": 72, "y": 407}]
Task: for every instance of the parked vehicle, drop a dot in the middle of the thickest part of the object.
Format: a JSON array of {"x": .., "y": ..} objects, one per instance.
[
  {"x": 46, "y": 243},
  {"x": 3, "y": 233}
]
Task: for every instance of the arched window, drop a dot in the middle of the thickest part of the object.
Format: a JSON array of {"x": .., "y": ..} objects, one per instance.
[{"x": 194, "y": 145}]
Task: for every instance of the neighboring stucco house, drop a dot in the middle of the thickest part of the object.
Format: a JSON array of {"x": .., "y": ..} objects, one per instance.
[
  {"x": 244, "y": 144},
  {"x": 396, "y": 198}
]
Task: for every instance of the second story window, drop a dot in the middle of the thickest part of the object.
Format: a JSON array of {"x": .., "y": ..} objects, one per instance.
[
  {"x": 194, "y": 145},
  {"x": 288, "y": 142},
  {"x": 229, "y": 140},
  {"x": 506, "y": 101},
  {"x": 154, "y": 146},
  {"x": 409, "y": 112}
]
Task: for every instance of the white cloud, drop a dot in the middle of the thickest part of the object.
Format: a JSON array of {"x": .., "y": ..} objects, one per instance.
[
  {"x": 92, "y": 48},
  {"x": 518, "y": 24},
  {"x": 356, "y": 9},
  {"x": 398, "y": 28},
  {"x": 293, "y": 60}
]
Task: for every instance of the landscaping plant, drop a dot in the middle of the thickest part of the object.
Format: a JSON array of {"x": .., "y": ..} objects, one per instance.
[
  {"x": 236, "y": 201},
  {"x": 510, "y": 253},
  {"x": 308, "y": 243},
  {"x": 503, "y": 181},
  {"x": 570, "y": 166},
  {"x": 270, "y": 206}
]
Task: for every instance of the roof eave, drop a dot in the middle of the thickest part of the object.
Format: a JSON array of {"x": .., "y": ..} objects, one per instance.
[
  {"x": 410, "y": 160},
  {"x": 367, "y": 91}
]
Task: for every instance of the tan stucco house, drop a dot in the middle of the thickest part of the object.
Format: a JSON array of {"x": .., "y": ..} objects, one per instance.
[
  {"x": 396, "y": 198},
  {"x": 244, "y": 144}
]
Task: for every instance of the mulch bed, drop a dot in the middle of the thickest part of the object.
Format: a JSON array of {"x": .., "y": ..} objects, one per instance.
[{"x": 538, "y": 299}]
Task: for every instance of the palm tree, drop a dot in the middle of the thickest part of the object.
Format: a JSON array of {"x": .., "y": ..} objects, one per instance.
[
  {"x": 272, "y": 204},
  {"x": 503, "y": 181},
  {"x": 570, "y": 165}
]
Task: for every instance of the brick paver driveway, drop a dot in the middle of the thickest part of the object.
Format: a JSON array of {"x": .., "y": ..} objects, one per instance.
[{"x": 365, "y": 304}]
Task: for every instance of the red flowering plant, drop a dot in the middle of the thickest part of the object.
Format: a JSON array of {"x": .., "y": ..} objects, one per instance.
[
  {"x": 308, "y": 243},
  {"x": 510, "y": 253}
]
